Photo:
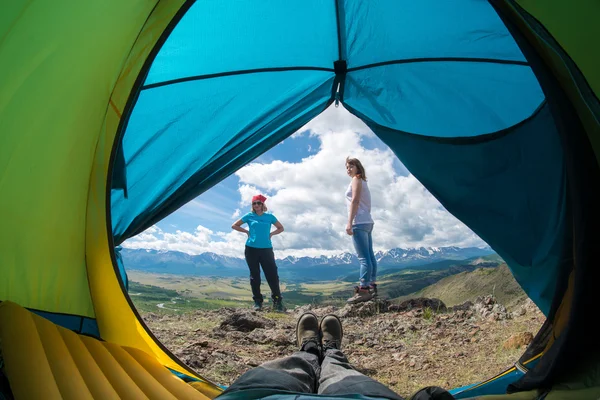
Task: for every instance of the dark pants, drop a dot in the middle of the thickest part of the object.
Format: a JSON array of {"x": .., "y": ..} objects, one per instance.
[
  {"x": 302, "y": 373},
  {"x": 266, "y": 258}
]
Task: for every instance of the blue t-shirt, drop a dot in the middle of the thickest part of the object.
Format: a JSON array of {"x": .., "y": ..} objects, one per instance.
[{"x": 260, "y": 229}]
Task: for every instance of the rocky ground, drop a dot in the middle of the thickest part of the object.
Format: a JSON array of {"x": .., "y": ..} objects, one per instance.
[{"x": 407, "y": 346}]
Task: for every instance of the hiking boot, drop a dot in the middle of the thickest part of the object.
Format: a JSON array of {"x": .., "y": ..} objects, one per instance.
[
  {"x": 373, "y": 290},
  {"x": 361, "y": 294},
  {"x": 307, "y": 332},
  {"x": 257, "y": 305},
  {"x": 278, "y": 305},
  {"x": 331, "y": 332}
]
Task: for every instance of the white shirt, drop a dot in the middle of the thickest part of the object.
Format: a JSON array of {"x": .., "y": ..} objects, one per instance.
[{"x": 363, "y": 214}]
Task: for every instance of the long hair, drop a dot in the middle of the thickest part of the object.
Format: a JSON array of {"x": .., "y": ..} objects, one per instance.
[{"x": 361, "y": 170}]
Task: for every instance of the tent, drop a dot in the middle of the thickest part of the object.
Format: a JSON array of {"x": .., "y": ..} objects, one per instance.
[{"x": 115, "y": 113}]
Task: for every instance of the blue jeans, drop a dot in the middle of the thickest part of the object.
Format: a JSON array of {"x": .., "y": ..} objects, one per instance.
[{"x": 363, "y": 244}]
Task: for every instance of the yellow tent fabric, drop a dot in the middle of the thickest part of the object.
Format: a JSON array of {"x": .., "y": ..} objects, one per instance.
[
  {"x": 66, "y": 82},
  {"x": 46, "y": 361},
  {"x": 61, "y": 98}
]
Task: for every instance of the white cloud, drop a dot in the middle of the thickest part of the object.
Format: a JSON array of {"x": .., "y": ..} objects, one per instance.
[
  {"x": 308, "y": 199},
  {"x": 200, "y": 241},
  {"x": 334, "y": 119}
]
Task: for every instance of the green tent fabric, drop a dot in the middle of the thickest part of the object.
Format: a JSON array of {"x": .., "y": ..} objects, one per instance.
[{"x": 493, "y": 106}]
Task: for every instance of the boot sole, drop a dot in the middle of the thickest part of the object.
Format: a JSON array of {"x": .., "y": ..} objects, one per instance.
[{"x": 298, "y": 323}]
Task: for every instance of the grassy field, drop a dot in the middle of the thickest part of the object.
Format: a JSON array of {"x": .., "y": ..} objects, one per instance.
[
  {"x": 158, "y": 299},
  {"x": 177, "y": 294},
  {"x": 457, "y": 289}
]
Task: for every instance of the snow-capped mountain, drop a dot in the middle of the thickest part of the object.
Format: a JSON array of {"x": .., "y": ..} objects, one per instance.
[{"x": 207, "y": 264}]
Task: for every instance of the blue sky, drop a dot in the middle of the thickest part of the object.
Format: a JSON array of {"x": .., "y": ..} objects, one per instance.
[
  {"x": 304, "y": 180},
  {"x": 214, "y": 208}
]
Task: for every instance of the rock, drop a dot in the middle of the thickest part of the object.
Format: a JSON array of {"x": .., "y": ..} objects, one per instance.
[
  {"x": 467, "y": 305},
  {"x": 420, "y": 303},
  {"x": 299, "y": 310},
  {"x": 367, "y": 309},
  {"x": 234, "y": 336},
  {"x": 279, "y": 339},
  {"x": 384, "y": 345},
  {"x": 245, "y": 321},
  {"x": 527, "y": 307},
  {"x": 519, "y": 312},
  {"x": 518, "y": 340},
  {"x": 325, "y": 310},
  {"x": 267, "y": 336},
  {"x": 487, "y": 308}
]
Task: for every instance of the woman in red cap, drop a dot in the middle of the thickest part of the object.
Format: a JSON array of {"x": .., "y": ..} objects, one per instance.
[{"x": 259, "y": 250}]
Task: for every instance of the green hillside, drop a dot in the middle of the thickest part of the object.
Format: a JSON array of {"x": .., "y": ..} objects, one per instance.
[{"x": 464, "y": 286}]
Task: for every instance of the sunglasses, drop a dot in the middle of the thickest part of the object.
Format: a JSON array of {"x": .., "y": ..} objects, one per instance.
[{"x": 256, "y": 202}]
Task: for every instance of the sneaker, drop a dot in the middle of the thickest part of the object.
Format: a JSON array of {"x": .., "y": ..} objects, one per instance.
[
  {"x": 307, "y": 331},
  {"x": 373, "y": 289},
  {"x": 361, "y": 294},
  {"x": 278, "y": 305},
  {"x": 331, "y": 332},
  {"x": 257, "y": 305}
]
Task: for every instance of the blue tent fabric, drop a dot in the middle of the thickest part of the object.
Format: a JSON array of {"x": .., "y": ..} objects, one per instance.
[
  {"x": 221, "y": 93},
  {"x": 121, "y": 267},
  {"x": 388, "y": 30},
  {"x": 443, "y": 84},
  {"x": 181, "y": 141},
  {"x": 494, "y": 385},
  {"x": 444, "y": 99},
  {"x": 440, "y": 82},
  {"x": 498, "y": 385},
  {"x": 509, "y": 188},
  {"x": 84, "y": 325},
  {"x": 233, "y": 79},
  {"x": 216, "y": 37}
]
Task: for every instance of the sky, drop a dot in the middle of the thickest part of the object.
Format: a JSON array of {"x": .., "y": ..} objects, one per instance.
[{"x": 304, "y": 179}]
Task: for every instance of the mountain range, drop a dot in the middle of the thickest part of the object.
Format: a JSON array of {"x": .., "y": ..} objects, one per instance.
[{"x": 290, "y": 268}]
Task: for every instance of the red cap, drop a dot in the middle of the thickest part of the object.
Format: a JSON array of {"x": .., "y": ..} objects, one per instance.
[{"x": 259, "y": 197}]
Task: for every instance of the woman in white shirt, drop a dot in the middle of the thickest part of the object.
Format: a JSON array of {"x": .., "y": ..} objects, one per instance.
[{"x": 360, "y": 227}]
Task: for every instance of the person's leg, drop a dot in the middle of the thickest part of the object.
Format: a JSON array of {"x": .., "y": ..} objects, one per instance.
[
  {"x": 252, "y": 259},
  {"x": 360, "y": 238},
  {"x": 338, "y": 377},
  {"x": 267, "y": 261},
  {"x": 373, "y": 282},
  {"x": 296, "y": 373}
]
